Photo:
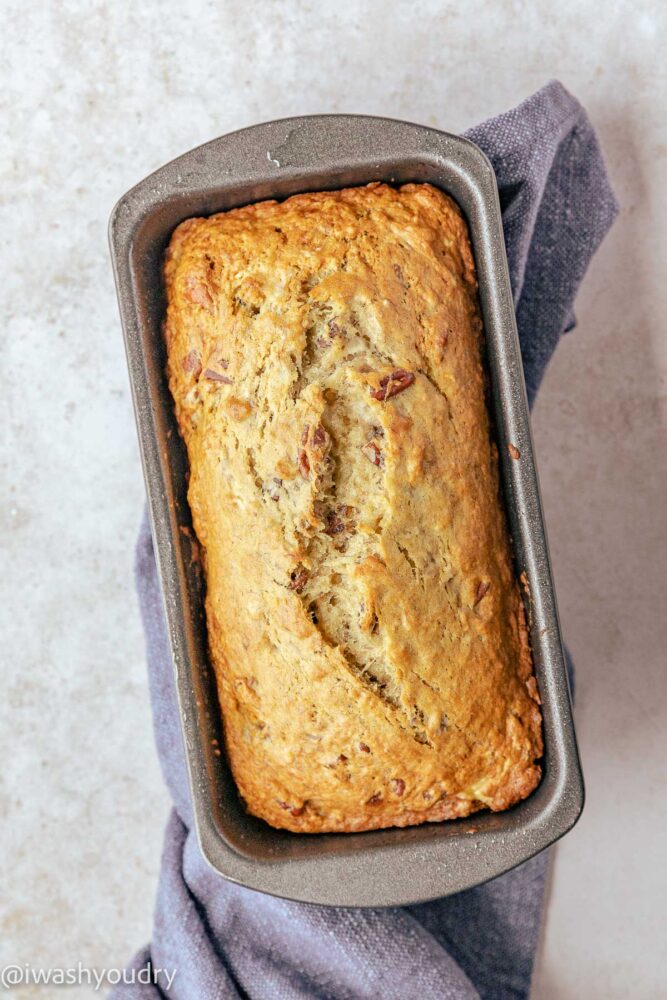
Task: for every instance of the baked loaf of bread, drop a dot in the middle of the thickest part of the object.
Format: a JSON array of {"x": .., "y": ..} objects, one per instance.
[{"x": 364, "y": 622}]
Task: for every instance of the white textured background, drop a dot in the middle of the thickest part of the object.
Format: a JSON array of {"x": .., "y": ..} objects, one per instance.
[{"x": 94, "y": 96}]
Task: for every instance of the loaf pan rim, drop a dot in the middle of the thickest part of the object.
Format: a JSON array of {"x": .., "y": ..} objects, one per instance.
[{"x": 329, "y": 877}]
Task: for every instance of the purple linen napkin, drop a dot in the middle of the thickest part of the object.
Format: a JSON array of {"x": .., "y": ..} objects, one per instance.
[{"x": 217, "y": 940}]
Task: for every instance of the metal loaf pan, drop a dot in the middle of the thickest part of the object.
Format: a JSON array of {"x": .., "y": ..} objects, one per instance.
[{"x": 386, "y": 867}]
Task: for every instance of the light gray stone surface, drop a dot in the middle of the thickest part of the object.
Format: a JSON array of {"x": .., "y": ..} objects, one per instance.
[{"x": 93, "y": 97}]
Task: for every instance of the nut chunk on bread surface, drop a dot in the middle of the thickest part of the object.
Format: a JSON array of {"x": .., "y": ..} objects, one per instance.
[{"x": 364, "y": 621}]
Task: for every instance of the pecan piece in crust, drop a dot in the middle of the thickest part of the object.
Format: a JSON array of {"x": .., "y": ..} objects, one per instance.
[
  {"x": 372, "y": 452},
  {"x": 273, "y": 488},
  {"x": 316, "y": 444},
  {"x": 482, "y": 590},
  {"x": 298, "y": 579},
  {"x": 333, "y": 519},
  {"x": 294, "y": 810},
  {"x": 391, "y": 385},
  {"x": 320, "y": 436},
  {"x": 315, "y": 438},
  {"x": 217, "y": 376},
  {"x": 197, "y": 292},
  {"x": 192, "y": 363},
  {"x": 334, "y": 524}
]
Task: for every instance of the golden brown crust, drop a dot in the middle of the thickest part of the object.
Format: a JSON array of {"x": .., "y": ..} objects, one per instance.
[{"x": 365, "y": 625}]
